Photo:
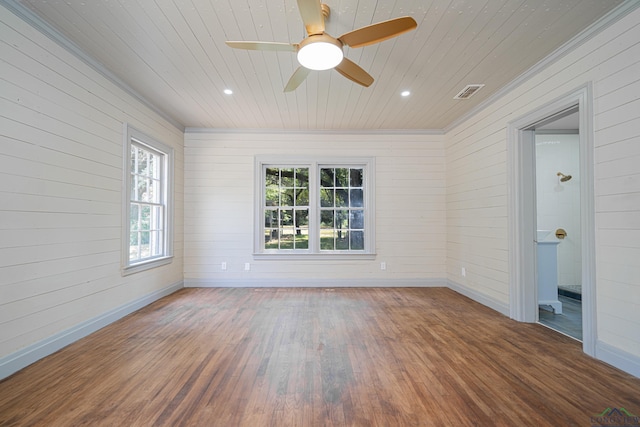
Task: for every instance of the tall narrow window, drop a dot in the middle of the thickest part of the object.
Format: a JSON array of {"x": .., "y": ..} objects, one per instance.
[
  {"x": 147, "y": 213},
  {"x": 147, "y": 234},
  {"x": 312, "y": 207}
]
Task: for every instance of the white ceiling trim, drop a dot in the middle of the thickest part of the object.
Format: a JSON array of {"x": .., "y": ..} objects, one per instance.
[
  {"x": 194, "y": 130},
  {"x": 36, "y": 22},
  {"x": 607, "y": 20}
]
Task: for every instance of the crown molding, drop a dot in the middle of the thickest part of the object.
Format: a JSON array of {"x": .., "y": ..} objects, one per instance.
[
  {"x": 196, "y": 130},
  {"x": 31, "y": 18},
  {"x": 585, "y": 35}
]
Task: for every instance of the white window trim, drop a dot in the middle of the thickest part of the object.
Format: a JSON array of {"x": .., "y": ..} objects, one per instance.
[
  {"x": 314, "y": 164},
  {"x": 126, "y": 266}
]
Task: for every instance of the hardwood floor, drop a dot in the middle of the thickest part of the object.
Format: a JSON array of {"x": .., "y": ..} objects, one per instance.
[{"x": 317, "y": 357}]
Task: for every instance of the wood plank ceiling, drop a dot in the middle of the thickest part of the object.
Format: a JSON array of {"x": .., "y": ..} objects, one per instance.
[{"x": 172, "y": 52}]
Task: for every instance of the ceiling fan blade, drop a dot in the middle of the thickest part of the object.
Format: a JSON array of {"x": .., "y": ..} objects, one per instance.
[
  {"x": 311, "y": 12},
  {"x": 354, "y": 72},
  {"x": 376, "y": 33},
  {"x": 274, "y": 46},
  {"x": 296, "y": 79}
]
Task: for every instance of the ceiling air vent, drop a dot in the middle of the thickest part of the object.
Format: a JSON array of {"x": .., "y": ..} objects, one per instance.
[{"x": 468, "y": 91}]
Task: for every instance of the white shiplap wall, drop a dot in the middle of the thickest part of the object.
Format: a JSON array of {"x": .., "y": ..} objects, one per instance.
[
  {"x": 61, "y": 139},
  {"x": 219, "y": 203},
  {"x": 477, "y": 181}
]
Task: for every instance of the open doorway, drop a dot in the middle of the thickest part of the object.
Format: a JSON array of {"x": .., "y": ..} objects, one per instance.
[
  {"x": 523, "y": 219},
  {"x": 558, "y": 234}
]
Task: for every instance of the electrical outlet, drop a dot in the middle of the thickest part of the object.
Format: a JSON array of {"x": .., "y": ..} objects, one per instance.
[
  {"x": 383, "y": 265},
  {"x": 463, "y": 271},
  {"x": 247, "y": 266},
  {"x": 223, "y": 266}
]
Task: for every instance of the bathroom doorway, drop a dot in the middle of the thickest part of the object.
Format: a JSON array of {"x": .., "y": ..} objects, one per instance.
[
  {"x": 558, "y": 234},
  {"x": 523, "y": 217}
]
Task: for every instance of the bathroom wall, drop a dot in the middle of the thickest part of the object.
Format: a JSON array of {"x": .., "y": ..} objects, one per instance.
[{"x": 558, "y": 203}]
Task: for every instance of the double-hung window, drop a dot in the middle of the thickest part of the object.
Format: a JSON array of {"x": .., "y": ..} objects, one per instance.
[
  {"x": 147, "y": 230},
  {"x": 315, "y": 207}
]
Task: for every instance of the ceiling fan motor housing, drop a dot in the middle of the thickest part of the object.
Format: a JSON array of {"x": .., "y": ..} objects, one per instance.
[{"x": 320, "y": 52}]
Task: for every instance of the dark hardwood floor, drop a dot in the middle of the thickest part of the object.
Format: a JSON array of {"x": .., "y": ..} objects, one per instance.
[{"x": 317, "y": 357}]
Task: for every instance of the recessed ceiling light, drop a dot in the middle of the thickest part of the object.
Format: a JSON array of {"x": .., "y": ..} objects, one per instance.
[
  {"x": 405, "y": 93},
  {"x": 228, "y": 91}
]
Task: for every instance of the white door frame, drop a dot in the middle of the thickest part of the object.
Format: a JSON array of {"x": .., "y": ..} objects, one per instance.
[{"x": 523, "y": 293}]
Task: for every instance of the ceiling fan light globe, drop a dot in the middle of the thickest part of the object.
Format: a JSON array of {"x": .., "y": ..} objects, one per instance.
[{"x": 321, "y": 54}]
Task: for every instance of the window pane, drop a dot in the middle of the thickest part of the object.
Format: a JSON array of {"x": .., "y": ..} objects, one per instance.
[
  {"x": 134, "y": 240},
  {"x": 154, "y": 166},
  {"x": 356, "y": 177},
  {"x": 133, "y": 217},
  {"x": 286, "y": 238},
  {"x": 144, "y": 245},
  {"x": 357, "y": 220},
  {"x": 301, "y": 239},
  {"x": 287, "y": 197},
  {"x": 286, "y": 176},
  {"x": 142, "y": 161},
  {"x": 271, "y": 240},
  {"x": 286, "y": 217},
  {"x": 342, "y": 177},
  {"x": 342, "y": 197},
  {"x": 302, "y": 197},
  {"x": 272, "y": 177},
  {"x": 342, "y": 219},
  {"x": 326, "y": 219},
  {"x": 145, "y": 217},
  {"x": 154, "y": 191},
  {"x": 302, "y": 178},
  {"x": 143, "y": 189},
  {"x": 355, "y": 200},
  {"x": 357, "y": 240},
  {"x": 326, "y": 197},
  {"x": 342, "y": 240},
  {"x": 326, "y": 240},
  {"x": 326, "y": 177},
  {"x": 302, "y": 218},
  {"x": 272, "y": 196},
  {"x": 271, "y": 219}
]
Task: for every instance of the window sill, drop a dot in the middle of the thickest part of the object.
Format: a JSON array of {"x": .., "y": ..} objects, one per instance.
[
  {"x": 314, "y": 257},
  {"x": 146, "y": 265}
]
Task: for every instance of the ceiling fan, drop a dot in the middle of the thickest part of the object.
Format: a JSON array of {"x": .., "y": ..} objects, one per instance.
[{"x": 320, "y": 51}]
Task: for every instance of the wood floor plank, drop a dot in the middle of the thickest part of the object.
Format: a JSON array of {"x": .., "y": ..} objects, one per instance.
[{"x": 317, "y": 357}]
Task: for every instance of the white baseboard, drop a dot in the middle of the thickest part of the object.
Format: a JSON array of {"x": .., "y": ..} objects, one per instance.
[
  {"x": 22, "y": 358},
  {"x": 618, "y": 358},
  {"x": 500, "y": 307},
  {"x": 315, "y": 283}
]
